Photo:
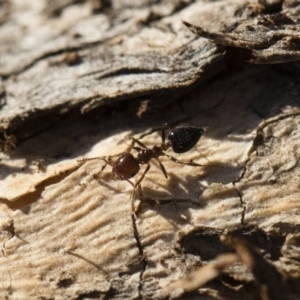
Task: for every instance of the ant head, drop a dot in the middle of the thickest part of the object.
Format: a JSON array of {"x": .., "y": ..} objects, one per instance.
[
  {"x": 126, "y": 166},
  {"x": 185, "y": 138}
]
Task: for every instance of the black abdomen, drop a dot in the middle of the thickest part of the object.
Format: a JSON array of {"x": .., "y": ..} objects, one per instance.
[{"x": 184, "y": 139}]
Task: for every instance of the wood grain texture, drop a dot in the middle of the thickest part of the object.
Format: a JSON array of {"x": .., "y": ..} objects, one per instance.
[{"x": 79, "y": 78}]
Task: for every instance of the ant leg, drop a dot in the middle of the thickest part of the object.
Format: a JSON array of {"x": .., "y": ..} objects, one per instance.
[
  {"x": 191, "y": 163},
  {"x": 102, "y": 169},
  {"x": 182, "y": 162},
  {"x": 129, "y": 148},
  {"x": 149, "y": 132},
  {"x": 163, "y": 137},
  {"x": 104, "y": 158},
  {"x": 135, "y": 186},
  {"x": 138, "y": 142},
  {"x": 163, "y": 132},
  {"x": 143, "y": 175},
  {"x": 162, "y": 168},
  {"x": 132, "y": 195},
  {"x": 132, "y": 203},
  {"x": 137, "y": 149}
]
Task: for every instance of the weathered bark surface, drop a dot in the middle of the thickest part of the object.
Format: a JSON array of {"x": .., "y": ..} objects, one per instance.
[
  {"x": 270, "y": 38},
  {"x": 78, "y": 78}
]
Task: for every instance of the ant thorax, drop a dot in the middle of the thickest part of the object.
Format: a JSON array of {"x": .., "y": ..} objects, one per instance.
[{"x": 145, "y": 155}]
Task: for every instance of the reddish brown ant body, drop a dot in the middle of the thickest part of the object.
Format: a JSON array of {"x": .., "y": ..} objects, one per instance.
[{"x": 180, "y": 139}]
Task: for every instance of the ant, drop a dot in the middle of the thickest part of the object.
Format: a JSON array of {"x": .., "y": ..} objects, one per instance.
[{"x": 180, "y": 139}]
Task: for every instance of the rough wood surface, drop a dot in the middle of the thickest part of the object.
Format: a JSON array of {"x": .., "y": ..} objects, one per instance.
[{"x": 78, "y": 78}]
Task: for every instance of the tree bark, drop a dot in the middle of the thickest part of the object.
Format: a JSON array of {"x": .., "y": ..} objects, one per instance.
[{"x": 80, "y": 77}]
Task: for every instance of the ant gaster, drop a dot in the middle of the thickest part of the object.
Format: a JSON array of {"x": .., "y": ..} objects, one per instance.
[{"x": 181, "y": 139}]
